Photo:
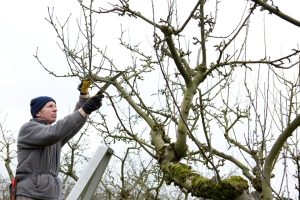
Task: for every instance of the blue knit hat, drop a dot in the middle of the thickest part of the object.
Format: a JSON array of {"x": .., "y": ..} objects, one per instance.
[{"x": 38, "y": 103}]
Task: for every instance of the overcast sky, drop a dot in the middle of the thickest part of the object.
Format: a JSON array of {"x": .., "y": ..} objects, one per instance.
[{"x": 24, "y": 28}]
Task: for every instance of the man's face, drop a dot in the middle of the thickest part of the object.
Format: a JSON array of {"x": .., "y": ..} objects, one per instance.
[{"x": 48, "y": 112}]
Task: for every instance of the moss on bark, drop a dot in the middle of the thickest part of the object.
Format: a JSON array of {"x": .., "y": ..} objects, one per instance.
[{"x": 197, "y": 185}]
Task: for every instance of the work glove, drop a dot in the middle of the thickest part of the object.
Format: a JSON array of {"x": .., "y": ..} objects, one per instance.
[
  {"x": 83, "y": 87},
  {"x": 93, "y": 103}
]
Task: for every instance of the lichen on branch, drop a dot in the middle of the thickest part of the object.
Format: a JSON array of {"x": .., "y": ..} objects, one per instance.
[{"x": 183, "y": 176}]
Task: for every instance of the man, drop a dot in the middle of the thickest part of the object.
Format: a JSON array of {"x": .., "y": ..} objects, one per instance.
[{"x": 40, "y": 141}]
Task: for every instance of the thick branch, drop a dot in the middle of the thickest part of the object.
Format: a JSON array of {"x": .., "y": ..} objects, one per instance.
[
  {"x": 184, "y": 177},
  {"x": 276, "y": 148},
  {"x": 275, "y": 10}
]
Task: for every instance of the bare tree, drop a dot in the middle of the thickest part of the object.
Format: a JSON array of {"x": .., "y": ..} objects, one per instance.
[
  {"x": 73, "y": 158},
  {"x": 4, "y": 193},
  {"x": 213, "y": 117},
  {"x": 7, "y": 148},
  {"x": 133, "y": 179},
  {"x": 7, "y": 154}
]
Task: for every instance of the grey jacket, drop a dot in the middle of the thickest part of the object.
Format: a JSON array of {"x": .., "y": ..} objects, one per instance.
[{"x": 38, "y": 152}]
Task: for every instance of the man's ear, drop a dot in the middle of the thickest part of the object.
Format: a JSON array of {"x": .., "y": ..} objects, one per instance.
[{"x": 38, "y": 114}]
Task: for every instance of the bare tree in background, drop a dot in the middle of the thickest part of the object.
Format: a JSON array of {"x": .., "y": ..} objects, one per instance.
[
  {"x": 7, "y": 148},
  {"x": 133, "y": 177},
  {"x": 7, "y": 154},
  {"x": 213, "y": 117},
  {"x": 73, "y": 158}
]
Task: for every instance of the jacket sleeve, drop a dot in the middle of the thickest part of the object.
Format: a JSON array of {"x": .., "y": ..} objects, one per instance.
[
  {"x": 35, "y": 134},
  {"x": 79, "y": 103},
  {"x": 76, "y": 130}
]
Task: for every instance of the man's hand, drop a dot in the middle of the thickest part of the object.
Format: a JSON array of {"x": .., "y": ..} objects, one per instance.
[
  {"x": 93, "y": 103},
  {"x": 83, "y": 87}
]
